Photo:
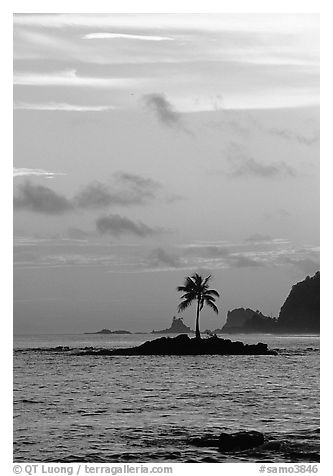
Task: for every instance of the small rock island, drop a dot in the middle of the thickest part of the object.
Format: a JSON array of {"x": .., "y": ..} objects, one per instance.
[
  {"x": 107, "y": 331},
  {"x": 177, "y": 327},
  {"x": 184, "y": 345}
]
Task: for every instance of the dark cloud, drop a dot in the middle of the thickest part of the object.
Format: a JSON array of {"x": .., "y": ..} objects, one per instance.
[
  {"x": 95, "y": 195},
  {"x": 258, "y": 238},
  {"x": 40, "y": 199},
  {"x": 163, "y": 109},
  {"x": 160, "y": 257},
  {"x": 127, "y": 189},
  {"x": 293, "y": 136},
  {"x": 117, "y": 225},
  {"x": 251, "y": 168},
  {"x": 141, "y": 188}
]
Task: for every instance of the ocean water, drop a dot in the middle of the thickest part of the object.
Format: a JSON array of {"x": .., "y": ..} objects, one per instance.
[{"x": 70, "y": 407}]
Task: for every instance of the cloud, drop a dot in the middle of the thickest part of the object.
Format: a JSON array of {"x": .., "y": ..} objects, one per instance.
[
  {"x": 258, "y": 238},
  {"x": 96, "y": 195},
  {"x": 208, "y": 251},
  {"x": 117, "y": 225},
  {"x": 189, "y": 22},
  {"x": 242, "y": 261},
  {"x": 40, "y": 199},
  {"x": 77, "y": 234},
  {"x": 241, "y": 167},
  {"x": 292, "y": 136},
  {"x": 230, "y": 56},
  {"x": 97, "y": 36},
  {"x": 71, "y": 78},
  {"x": 159, "y": 258},
  {"x": 140, "y": 186},
  {"x": 163, "y": 109},
  {"x": 22, "y": 172},
  {"x": 128, "y": 189},
  {"x": 219, "y": 257},
  {"x": 307, "y": 262},
  {"x": 61, "y": 107},
  {"x": 25, "y": 260}
]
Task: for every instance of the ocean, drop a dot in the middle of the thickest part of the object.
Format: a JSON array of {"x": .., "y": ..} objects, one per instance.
[{"x": 95, "y": 408}]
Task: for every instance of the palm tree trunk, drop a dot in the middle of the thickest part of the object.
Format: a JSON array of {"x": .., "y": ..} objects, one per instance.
[{"x": 197, "y": 331}]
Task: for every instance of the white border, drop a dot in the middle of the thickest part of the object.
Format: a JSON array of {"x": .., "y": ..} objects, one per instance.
[{"x": 173, "y": 6}]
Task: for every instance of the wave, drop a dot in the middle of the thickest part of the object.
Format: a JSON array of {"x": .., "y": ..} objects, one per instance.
[
  {"x": 300, "y": 447},
  {"x": 108, "y": 351}
]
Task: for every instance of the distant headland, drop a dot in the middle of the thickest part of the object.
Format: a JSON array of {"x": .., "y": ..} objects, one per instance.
[{"x": 300, "y": 313}]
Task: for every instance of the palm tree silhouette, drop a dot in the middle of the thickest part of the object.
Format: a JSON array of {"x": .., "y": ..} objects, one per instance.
[{"x": 196, "y": 289}]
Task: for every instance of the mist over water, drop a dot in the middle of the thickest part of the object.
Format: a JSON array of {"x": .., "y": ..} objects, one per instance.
[{"x": 70, "y": 407}]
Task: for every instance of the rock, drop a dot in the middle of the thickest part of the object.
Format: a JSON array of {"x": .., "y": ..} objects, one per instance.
[
  {"x": 103, "y": 331},
  {"x": 301, "y": 310},
  {"x": 205, "y": 441},
  {"x": 240, "y": 441},
  {"x": 236, "y": 318},
  {"x": 183, "y": 345},
  {"x": 107, "y": 331},
  {"x": 177, "y": 326},
  {"x": 246, "y": 321}
]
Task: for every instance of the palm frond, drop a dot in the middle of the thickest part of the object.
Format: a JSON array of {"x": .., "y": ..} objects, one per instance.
[
  {"x": 189, "y": 295},
  {"x": 208, "y": 298},
  {"x": 212, "y": 305},
  {"x": 212, "y": 292},
  {"x": 206, "y": 280},
  {"x": 184, "y": 305},
  {"x": 181, "y": 288},
  {"x": 191, "y": 281}
]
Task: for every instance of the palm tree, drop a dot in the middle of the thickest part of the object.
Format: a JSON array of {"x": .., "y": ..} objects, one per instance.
[{"x": 196, "y": 289}]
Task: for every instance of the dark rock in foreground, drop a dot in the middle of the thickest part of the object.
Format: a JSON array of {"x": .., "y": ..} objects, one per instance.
[
  {"x": 228, "y": 442},
  {"x": 240, "y": 441},
  {"x": 184, "y": 345}
]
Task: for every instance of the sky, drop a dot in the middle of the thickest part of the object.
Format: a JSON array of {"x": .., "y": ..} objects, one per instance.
[{"x": 148, "y": 147}]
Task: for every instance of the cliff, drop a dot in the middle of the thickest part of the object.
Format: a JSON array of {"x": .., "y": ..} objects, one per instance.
[
  {"x": 260, "y": 323},
  {"x": 177, "y": 326},
  {"x": 300, "y": 313},
  {"x": 236, "y": 319},
  {"x": 301, "y": 310}
]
